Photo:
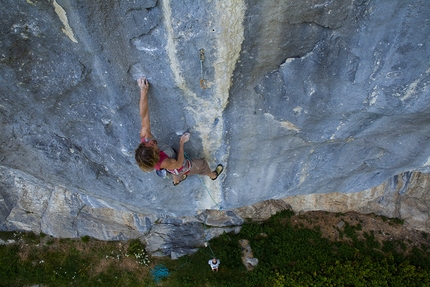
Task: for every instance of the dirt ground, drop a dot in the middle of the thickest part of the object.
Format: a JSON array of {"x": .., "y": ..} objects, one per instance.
[{"x": 383, "y": 228}]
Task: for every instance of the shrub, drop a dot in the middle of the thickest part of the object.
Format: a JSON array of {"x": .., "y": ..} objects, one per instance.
[
  {"x": 137, "y": 249},
  {"x": 85, "y": 238}
]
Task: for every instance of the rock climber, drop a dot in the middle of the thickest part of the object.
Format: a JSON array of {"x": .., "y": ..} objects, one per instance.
[
  {"x": 153, "y": 154},
  {"x": 214, "y": 263}
]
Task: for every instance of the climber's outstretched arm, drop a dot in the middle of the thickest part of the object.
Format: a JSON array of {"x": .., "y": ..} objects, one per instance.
[{"x": 145, "y": 132}]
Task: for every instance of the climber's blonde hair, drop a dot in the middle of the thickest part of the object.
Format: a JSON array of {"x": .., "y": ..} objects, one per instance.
[{"x": 146, "y": 157}]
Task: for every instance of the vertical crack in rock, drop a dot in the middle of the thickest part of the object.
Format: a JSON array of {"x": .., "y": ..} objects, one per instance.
[
  {"x": 229, "y": 41},
  {"x": 63, "y": 17}
]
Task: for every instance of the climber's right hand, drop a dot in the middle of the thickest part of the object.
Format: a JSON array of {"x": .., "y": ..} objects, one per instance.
[
  {"x": 185, "y": 137},
  {"x": 143, "y": 84}
]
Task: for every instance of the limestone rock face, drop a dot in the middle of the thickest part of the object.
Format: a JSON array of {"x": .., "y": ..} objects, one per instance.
[
  {"x": 295, "y": 98},
  {"x": 406, "y": 196}
]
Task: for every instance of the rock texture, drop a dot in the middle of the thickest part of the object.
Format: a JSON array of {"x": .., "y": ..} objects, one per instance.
[
  {"x": 346, "y": 110},
  {"x": 301, "y": 98},
  {"x": 405, "y": 196},
  {"x": 248, "y": 259}
]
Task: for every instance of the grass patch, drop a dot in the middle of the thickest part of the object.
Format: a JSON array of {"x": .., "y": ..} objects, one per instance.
[
  {"x": 10, "y": 235},
  {"x": 48, "y": 261},
  {"x": 370, "y": 240},
  {"x": 350, "y": 231}
]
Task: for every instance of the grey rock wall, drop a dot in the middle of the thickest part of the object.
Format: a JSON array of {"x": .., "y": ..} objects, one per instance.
[
  {"x": 344, "y": 113},
  {"x": 301, "y": 97},
  {"x": 405, "y": 196}
]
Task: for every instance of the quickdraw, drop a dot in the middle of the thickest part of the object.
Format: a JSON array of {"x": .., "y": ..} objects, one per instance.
[{"x": 203, "y": 82}]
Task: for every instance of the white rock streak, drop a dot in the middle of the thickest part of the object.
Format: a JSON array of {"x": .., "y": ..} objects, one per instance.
[
  {"x": 412, "y": 88},
  {"x": 229, "y": 41},
  {"x": 63, "y": 17}
]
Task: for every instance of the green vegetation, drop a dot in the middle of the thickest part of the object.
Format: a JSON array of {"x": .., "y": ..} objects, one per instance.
[
  {"x": 392, "y": 221},
  {"x": 66, "y": 262},
  {"x": 289, "y": 255},
  {"x": 137, "y": 249}
]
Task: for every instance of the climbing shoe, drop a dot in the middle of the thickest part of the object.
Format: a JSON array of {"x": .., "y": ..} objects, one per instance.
[
  {"x": 218, "y": 170},
  {"x": 184, "y": 177}
]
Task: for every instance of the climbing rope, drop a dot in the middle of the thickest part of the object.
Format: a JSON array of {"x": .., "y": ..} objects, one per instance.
[
  {"x": 217, "y": 204},
  {"x": 212, "y": 254},
  {"x": 204, "y": 185}
]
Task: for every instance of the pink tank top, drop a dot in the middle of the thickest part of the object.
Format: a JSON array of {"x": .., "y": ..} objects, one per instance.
[{"x": 163, "y": 156}]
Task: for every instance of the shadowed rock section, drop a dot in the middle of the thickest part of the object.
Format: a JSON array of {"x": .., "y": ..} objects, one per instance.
[{"x": 303, "y": 98}]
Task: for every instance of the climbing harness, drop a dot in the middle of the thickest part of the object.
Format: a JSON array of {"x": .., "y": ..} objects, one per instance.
[{"x": 203, "y": 82}]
